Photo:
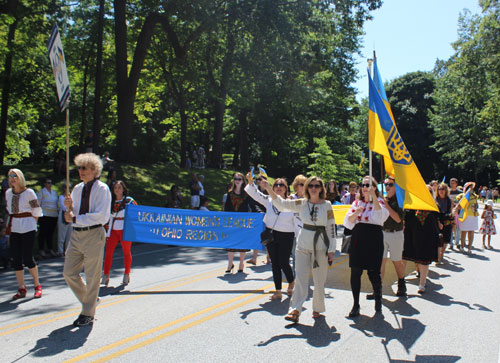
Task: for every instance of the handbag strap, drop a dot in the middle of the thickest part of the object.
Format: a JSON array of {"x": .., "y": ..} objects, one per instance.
[{"x": 275, "y": 210}]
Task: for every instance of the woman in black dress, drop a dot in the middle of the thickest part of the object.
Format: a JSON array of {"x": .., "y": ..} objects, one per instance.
[
  {"x": 421, "y": 235},
  {"x": 446, "y": 217},
  {"x": 365, "y": 218},
  {"x": 237, "y": 201}
]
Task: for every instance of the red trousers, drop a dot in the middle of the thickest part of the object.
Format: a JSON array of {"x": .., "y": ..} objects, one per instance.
[{"x": 111, "y": 242}]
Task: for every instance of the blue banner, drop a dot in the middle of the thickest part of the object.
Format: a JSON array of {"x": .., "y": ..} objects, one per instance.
[{"x": 194, "y": 228}]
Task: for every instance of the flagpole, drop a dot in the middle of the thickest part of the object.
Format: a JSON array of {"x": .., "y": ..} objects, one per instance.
[
  {"x": 67, "y": 148},
  {"x": 370, "y": 61}
]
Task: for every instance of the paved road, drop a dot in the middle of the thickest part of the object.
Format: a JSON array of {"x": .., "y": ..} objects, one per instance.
[{"x": 181, "y": 307}]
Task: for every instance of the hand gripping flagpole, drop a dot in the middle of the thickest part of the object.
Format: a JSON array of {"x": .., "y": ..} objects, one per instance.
[{"x": 370, "y": 61}]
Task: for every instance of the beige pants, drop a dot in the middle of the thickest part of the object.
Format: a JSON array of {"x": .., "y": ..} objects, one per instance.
[
  {"x": 85, "y": 251},
  {"x": 303, "y": 264}
]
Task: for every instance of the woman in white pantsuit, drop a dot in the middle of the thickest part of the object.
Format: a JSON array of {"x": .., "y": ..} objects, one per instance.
[{"x": 315, "y": 244}]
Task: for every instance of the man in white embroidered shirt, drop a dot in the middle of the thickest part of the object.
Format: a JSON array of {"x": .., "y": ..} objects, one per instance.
[{"x": 88, "y": 208}]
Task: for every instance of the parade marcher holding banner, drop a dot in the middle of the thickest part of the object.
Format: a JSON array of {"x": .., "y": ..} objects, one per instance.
[
  {"x": 88, "y": 208},
  {"x": 282, "y": 228},
  {"x": 315, "y": 245},
  {"x": 366, "y": 218},
  {"x": 24, "y": 210},
  {"x": 47, "y": 198},
  {"x": 114, "y": 233},
  {"x": 237, "y": 201}
]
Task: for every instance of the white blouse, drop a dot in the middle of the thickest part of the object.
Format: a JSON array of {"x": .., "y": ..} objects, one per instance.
[
  {"x": 369, "y": 215},
  {"x": 282, "y": 222},
  {"x": 25, "y": 202},
  {"x": 313, "y": 214}
]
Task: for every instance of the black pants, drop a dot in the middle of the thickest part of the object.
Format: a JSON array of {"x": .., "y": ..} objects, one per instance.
[
  {"x": 375, "y": 279},
  {"x": 46, "y": 233},
  {"x": 21, "y": 247},
  {"x": 280, "y": 251}
]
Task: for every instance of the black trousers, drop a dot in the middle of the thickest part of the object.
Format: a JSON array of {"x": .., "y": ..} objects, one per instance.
[
  {"x": 21, "y": 247},
  {"x": 280, "y": 251},
  {"x": 46, "y": 233}
]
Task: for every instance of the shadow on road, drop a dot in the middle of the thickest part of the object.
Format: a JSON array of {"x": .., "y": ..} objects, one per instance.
[
  {"x": 429, "y": 359},
  {"x": 60, "y": 340},
  {"x": 407, "y": 334},
  {"x": 319, "y": 335}
]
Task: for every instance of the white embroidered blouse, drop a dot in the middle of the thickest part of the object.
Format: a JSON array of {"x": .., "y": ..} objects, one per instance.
[
  {"x": 312, "y": 214},
  {"x": 370, "y": 215},
  {"x": 25, "y": 202},
  {"x": 282, "y": 222}
]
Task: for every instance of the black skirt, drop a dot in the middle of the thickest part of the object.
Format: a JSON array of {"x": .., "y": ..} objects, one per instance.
[
  {"x": 367, "y": 247},
  {"x": 421, "y": 241}
]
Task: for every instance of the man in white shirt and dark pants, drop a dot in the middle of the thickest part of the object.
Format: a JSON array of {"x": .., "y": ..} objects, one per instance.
[{"x": 88, "y": 208}]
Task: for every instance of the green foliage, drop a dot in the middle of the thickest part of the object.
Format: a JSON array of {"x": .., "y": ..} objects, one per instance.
[
  {"x": 329, "y": 165},
  {"x": 465, "y": 117}
]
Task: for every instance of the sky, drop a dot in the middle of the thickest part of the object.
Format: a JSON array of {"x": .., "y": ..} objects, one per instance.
[{"x": 409, "y": 36}]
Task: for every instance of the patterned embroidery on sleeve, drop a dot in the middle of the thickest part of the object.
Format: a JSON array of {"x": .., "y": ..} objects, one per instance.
[
  {"x": 330, "y": 214},
  {"x": 298, "y": 202},
  {"x": 34, "y": 203}
]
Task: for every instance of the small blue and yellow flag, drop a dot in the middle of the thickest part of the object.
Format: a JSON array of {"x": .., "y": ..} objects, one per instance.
[
  {"x": 262, "y": 172},
  {"x": 411, "y": 190},
  {"x": 464, "y": 204}
]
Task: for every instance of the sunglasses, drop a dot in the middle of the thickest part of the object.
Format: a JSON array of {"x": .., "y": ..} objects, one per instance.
[
  {"x": 13, "y": 176},
  {"x": 315, "y": 186},
  {"x": 300, "y": 184},
  {"x": 238, "y": 179},
  {"x": 389, "y": 184},
  {"x": 278, "y": 185},
  {"x": 48, "y": 182},
  {"x": 441, "y": 189},
  {"x": 258, "y": 179},
  {"x": 82, "y": 168},
  {"x": 365, "y": 185}
]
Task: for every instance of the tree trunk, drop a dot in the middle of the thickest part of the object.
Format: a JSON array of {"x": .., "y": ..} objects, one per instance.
[
  {"x": 244, "y": 159},
  {"x": 6, "y": 89},
  {"x": 127, "y": 83},
  {"x": 182, "y": 111},
  {"x": 220, "y": 102},
  {"x": 236, "y": 154},
  {"x": 98, "y": 79},
  {"x": 83, "y": 128}
]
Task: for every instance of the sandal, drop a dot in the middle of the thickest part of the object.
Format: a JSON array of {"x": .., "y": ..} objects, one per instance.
[
  {"x": 38, "y": 292},
  {"x": 276, "y": 296},
  {"x": 293, "y": 316},
  {"x": 105, "y": 280},
  {"x": 316, "y": 315},
  {"x": 21, "y": 292}
]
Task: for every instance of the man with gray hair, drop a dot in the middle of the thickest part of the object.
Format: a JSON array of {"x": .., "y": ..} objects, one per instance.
[{"x": 88, "y": 208}]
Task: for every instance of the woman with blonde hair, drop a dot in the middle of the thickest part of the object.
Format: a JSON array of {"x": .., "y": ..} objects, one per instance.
[
  {"x": 24, "y": 210},
  {"x": 315, "y": 244}
]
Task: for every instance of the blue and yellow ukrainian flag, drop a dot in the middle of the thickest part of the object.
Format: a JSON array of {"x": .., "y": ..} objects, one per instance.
[
  {"x": 411, "y": 190},
  {"x": 376, "y": 138},
  {"x": 464, "y": 204}
]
